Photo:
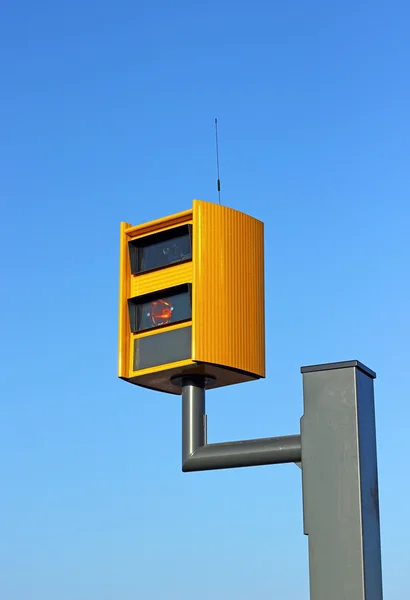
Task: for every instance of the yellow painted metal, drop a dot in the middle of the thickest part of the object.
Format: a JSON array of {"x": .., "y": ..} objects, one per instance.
[
  {"x": 160, "y": 368},
  {"x": 136, "y": 285},
  {"x": 123, "y": 322},
  {"x": 228, "y": 288},
  {"x": 158, "y": 330},
  {"x": 227, "y": 276},
  {"x": 161, "y": 279},
  {"x": 159, "y": 224}
]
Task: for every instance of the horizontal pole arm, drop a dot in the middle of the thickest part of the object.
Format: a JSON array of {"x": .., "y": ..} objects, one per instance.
[
  {"x": 247, "y": 453},
  {"x": 197, "y": 455}
]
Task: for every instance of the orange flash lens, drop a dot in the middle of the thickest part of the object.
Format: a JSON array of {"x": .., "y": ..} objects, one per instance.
[{"x": 161, "y": 312}]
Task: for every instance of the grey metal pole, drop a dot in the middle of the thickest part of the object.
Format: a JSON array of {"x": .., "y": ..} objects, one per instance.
[
  {"x": 340, "y": 482},
  {"x": 193, "y": 415},
  {"x": 197, "y": 455},
  {"x": 337, "y": 452}
]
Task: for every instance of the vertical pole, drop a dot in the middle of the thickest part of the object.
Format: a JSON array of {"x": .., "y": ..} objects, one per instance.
[
  {"x": 340, "y": 482},
  {"x": 193, "y": 415}
]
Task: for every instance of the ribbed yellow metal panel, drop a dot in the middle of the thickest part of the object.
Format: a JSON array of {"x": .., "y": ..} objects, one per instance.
[
  {"x": 160, "y": 368},
  {"x": 123, "y": 324},
  {"x": 159, "y": 224},
  {"x": 159, "y": 330},
  {"x": 161, "y": 279},
  {"x": 228, "y": 288}
]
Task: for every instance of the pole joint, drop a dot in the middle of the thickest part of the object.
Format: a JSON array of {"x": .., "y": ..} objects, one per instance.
[{"x": 198, "y": 455}]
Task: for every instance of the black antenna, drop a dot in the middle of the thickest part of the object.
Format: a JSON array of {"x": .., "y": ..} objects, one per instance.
[{"x": 217, "y": 161}]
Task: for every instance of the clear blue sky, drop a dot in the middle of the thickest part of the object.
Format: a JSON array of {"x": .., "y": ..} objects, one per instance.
[{"x": 107, "y": 113}]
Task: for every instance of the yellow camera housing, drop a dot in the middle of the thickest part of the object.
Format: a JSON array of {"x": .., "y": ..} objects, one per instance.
[{"x": 191, "y": 298}]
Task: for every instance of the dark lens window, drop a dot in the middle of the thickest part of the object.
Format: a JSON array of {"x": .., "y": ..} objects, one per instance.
[
  {"x": 161, "y": 249},
  {"x": 161, "y": 308}
]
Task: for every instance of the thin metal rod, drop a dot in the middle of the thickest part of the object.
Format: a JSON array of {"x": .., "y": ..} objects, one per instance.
[
  {"x": 197, "y": 455},
  {"x": 218, "y": 182}
]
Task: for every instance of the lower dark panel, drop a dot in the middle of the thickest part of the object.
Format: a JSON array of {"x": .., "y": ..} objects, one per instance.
[{"x": 162, "y": 348}]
